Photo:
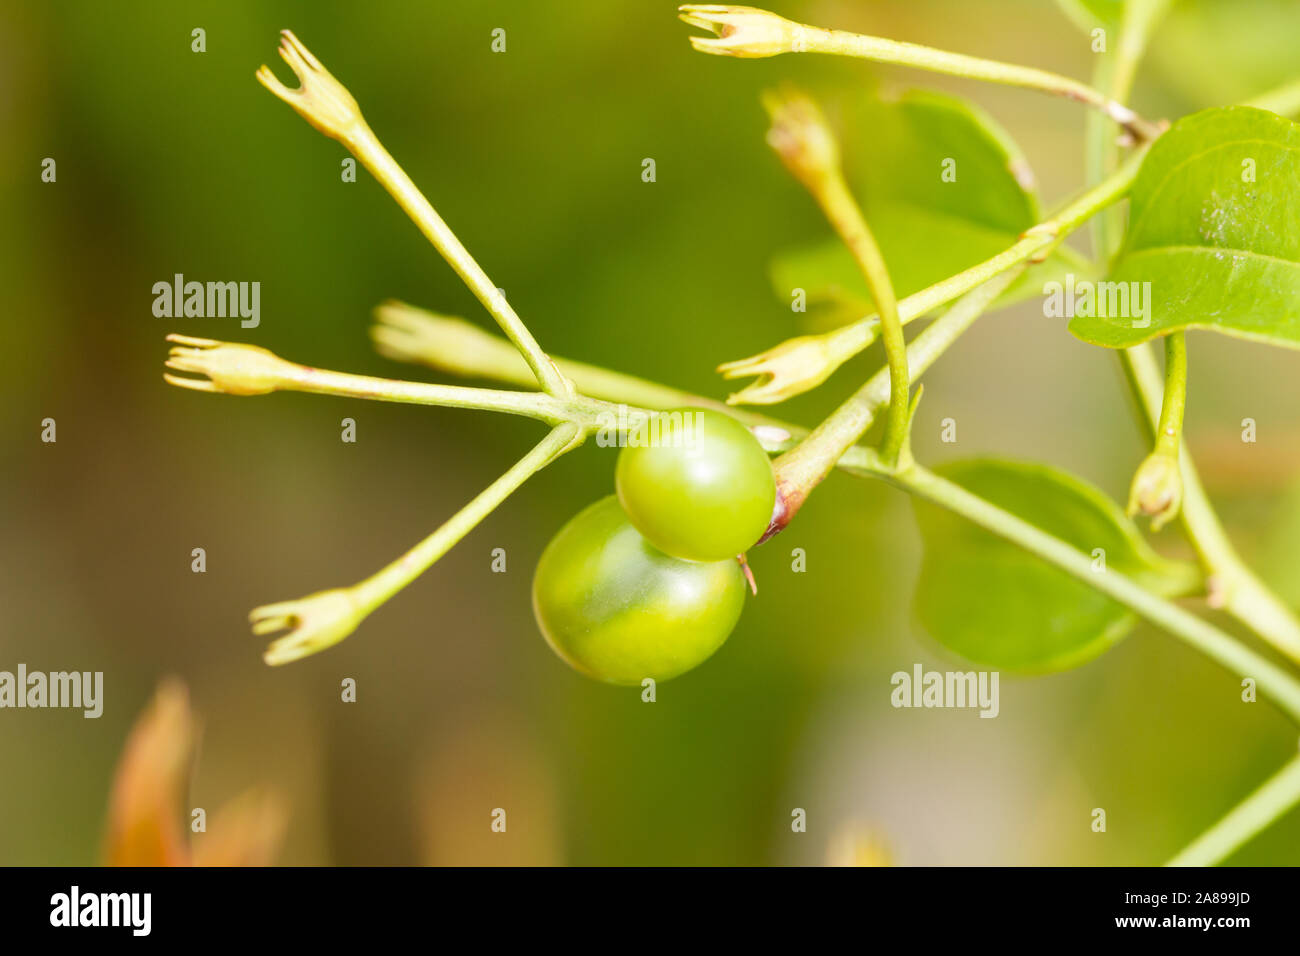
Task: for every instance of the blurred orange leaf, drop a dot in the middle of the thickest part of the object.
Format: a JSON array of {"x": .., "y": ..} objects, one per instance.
[
  {"x": 146, "y": 805},
  {"x": 152, "y": 778}
]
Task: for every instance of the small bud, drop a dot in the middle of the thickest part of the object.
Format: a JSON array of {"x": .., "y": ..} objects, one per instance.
[
  {"x": 741, "y": 31},
  {"x": 321, "y": 100},
  {"x": 801, "y": 137},
  {"x": 448, "y": 344},
  {"x": 1157, "y": 489},
  {"x": 230, "y": 367},
  {"x": 317, "y": 622},
  {"x": 795, "y": 366}
]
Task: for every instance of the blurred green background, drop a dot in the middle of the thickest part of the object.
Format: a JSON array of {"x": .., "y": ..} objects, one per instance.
[{"x": 174, "y": 161}]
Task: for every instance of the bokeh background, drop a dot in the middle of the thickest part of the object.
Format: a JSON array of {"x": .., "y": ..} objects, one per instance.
[{"x": 173, "y": 161}]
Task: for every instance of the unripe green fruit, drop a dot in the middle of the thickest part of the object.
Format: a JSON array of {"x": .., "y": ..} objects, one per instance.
[
  {"x": 699, "y": 486},
  {"x": 617, "y": 609}
]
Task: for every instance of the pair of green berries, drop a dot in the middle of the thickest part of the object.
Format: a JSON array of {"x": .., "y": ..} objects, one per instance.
[{"x": 646, "y": 583}]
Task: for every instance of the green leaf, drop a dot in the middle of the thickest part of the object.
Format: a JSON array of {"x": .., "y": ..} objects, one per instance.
[
  {"x": 1212, "y": 240},
  {"x": 928, "y": 228},
  {"x": 999, "y": 606}
]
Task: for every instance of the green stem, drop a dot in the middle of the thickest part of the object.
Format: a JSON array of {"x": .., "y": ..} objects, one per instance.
[
  {"x": 1187, "y": 627},
  {"x": 847, "y": 219},
  {"x": 1233, "y": 586},
  {"x": 835, "y": 440},
  {"x": 319, "y": 621},
  {"x": 458, "y": 347},
  {"x": 1157, "y": 486},
  {"x": 880, "y": 50},
  {"x": 327, "y": 105},
  {"x": 1033, "y": 245},
  {"x": 1275, "y": 797},
  {"x": 1250, "y": 600},
  {"x": 538, "y": 405},
  {"x": 382, "y": 585},
  {"x": 237, "y": 369},
  {"x": 1114, "y": 76},
  {"x": 1174, "y": 403},
  {"x": 383, "y": 167}
]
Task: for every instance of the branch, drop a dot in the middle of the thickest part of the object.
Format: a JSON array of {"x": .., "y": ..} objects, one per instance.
[
  {"x": 453, "y": 345},
  {"x": 1232, "y": 585},
  {"x": 1157, "y": 488},
  {"x": 1275, "y": 797},
  {"x": 1187, "y": 627},
  {"x": 232, "y": 368},
  {"x": 804, "y": 141},
  {"x": 748, "y": 32},
  {"x": 321, "y": 620},
  {"x": 803, "y": 468},
  {"x": 809, "y": 367},
  {"x": 327, "y": 105}
]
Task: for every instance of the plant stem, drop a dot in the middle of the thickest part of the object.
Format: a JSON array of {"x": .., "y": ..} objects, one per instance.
[
  {"x": 1187, "y": 627},
  {"x": 1114, "y": 76},
  {"x": 237, "y": 369},
  {"x": 1157, "y": 486},
  {"x": 320, "y": 620},
  {"x": 881, "y": 50},
  {"x": 1276, "y": 796},
  {"x": 457, "y": 347},
  {"x": 1250, "y": 600},
  {"x": 807, "y": 146},
  {"x": 1233, "y": 586},
  {"x": 328, "y": 106},
  {"x": 384, "y": 168},
  {"x": 1174, "y": 402},
  {"x": 538, "y": 405},
  {"x": 1035, "y": 243},
  {"x": 804, "y": 467},
  {"x": 846, "y": 217},
  {"x": 382, "y": 585}
]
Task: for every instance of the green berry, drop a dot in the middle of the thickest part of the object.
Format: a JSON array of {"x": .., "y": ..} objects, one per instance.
[
  {"x": 618, "y": 609},
  {"x": 697, "y": 484}
]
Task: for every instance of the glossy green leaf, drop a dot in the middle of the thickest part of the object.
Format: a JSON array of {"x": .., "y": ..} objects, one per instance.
[
  {"x": 999, "y": 606},
  {"x": 1212, "y": 241},
  {"x": 895, "y": 154}
]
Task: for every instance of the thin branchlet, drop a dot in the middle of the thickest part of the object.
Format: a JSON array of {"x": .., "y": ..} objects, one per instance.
[
  {"x": 327, "y": 105},
  {"x": 749, "y": 32}
]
